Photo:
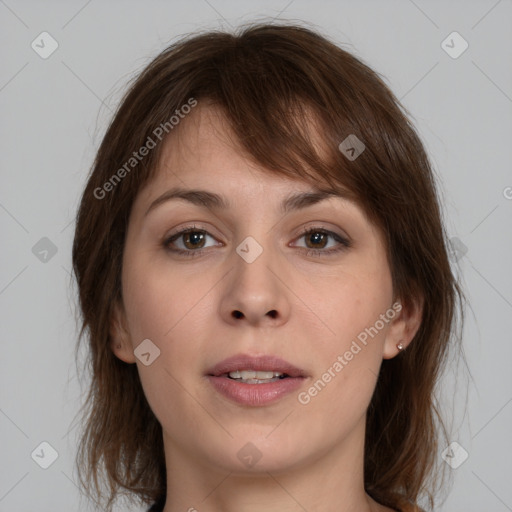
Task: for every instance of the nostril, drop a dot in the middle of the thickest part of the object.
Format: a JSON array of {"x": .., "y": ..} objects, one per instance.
[
  {"x": 272, "y": 313},
  {"x": 237, "y": 314}
]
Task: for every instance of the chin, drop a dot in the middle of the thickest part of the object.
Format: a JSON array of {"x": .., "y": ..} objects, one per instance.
[{"x": 254, "y": 453}]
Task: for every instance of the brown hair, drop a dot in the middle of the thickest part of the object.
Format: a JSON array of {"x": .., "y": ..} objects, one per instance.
[{"x": 273, "y": 83}]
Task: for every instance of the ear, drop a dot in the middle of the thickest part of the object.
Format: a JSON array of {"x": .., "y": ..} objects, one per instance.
[
  {"x": 403, "y": 326},
  {"x": 120, "y": 342}
]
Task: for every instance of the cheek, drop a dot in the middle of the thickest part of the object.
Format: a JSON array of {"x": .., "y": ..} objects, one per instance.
[
  {"x": 344, "y": 306},
  {"x": 170, "y": 308},
  {"x": 172, "y": 317},
  {"x": 349, "y": 352},
  {"x": 160, "y": 298}
]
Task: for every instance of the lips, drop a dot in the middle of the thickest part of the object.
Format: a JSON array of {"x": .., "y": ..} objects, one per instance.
[
  {"x": 255, "y": 392},
  {"x": 261, "y": 363}
]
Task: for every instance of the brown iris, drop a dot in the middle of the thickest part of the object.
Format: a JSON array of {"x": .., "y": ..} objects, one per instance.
[
  {"x": 193, "y": 237},
  {"x": 318, "y": 237}
]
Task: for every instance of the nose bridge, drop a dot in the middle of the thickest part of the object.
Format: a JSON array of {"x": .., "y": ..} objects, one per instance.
[
  {"x": 255, "y": 292},
  {"x": 253, "y": 260}
]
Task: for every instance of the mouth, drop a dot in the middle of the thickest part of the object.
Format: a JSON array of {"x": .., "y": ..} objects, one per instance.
[
  {"x": 255, "y": 377},
  {"x": 244, "y": 366},
  {"x": 255, "y": 381}
]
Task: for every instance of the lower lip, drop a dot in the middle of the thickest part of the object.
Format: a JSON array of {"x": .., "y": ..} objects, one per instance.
[{"x": 255, "y": 394}]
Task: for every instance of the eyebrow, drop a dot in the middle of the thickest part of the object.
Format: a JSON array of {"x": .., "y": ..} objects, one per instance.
[{"x": 214, "y": 201}]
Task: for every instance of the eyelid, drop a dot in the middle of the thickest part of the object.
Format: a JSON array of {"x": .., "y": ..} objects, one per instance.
[
  {"x": 313, "y": 228},
  {"x": 193, "y": 226}
]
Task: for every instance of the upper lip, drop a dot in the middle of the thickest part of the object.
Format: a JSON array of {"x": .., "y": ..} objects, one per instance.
[{"x": 255, "y": 363}]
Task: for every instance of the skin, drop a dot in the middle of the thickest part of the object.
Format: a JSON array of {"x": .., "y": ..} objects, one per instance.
[{"x": 311, "y": 455}]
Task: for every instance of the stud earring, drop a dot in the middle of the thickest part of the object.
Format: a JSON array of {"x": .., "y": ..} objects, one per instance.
[{"x": 400, "y": 346}]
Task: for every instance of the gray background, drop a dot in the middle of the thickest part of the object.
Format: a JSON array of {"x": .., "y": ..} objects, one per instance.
[{"x": 54, "y": 113}]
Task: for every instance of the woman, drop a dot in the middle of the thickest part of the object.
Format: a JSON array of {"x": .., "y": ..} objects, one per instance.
[{"x": 265, "y": 286}]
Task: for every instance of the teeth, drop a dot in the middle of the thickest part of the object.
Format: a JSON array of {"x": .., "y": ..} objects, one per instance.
[{"x": 249, "y": 374}]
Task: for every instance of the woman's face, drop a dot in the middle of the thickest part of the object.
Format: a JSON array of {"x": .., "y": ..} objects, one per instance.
[{"x": 244, "y": 284}]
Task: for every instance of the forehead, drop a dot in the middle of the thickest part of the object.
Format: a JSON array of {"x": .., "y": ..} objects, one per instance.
[{"x": 205, "y": 147}]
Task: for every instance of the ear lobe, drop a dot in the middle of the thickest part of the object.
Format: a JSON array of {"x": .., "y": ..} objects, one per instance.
[
  {"x": 120, "y": 343},
  {"x": 403, "y": 327}
]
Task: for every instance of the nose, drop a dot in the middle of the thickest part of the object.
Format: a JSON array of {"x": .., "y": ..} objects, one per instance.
[{"x": 256, "y": 292}]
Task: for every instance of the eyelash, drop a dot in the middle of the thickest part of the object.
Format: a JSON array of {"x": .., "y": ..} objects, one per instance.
[{"x": 344, "y": 243}]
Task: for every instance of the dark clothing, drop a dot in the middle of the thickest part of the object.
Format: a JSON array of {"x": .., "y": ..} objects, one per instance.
[{"x": 158, "y": 506}]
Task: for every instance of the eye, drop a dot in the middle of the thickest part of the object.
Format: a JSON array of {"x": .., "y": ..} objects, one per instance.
[
  {"x": 189, "y": 241},
  {"x": 317, "y": 239}
]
